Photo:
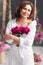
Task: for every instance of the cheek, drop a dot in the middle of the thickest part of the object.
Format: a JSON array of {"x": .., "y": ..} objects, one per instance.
[
  {"x": 23, "y": 11},
  {"x": 29, "y": 13}
]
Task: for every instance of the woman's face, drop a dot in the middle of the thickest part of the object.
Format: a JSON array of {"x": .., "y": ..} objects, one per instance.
[{"x": 25, "y": 12}]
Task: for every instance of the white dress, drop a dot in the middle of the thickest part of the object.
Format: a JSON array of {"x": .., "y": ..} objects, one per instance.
[{"x": 22, "y": 55}]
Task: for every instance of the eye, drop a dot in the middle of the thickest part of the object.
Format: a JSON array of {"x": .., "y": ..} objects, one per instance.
[
  {"x": 29, "y": 10},
  {"x": 24, "y": 8}
]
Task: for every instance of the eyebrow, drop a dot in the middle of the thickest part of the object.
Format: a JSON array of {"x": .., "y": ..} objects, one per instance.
[{"x": 28, "y": 9}]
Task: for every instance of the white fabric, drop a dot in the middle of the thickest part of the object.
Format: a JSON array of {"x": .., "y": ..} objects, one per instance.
[{"x": 22, "y": 55}]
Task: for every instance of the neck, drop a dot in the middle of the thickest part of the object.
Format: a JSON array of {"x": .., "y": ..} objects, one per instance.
[{"x": 23, "y": 20}]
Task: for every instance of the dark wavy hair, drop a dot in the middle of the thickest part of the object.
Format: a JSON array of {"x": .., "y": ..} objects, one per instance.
[{"x": 21, "y": 6}]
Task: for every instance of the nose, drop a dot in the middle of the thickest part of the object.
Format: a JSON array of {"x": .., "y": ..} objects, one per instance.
[{"x": 26, "y": 11}]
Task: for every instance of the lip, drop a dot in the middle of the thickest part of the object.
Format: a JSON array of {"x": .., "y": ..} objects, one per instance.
[{"x": 25, "y": 14}]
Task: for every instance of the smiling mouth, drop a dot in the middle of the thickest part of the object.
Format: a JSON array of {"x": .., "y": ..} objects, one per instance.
[{"x": 25, "y": 14}]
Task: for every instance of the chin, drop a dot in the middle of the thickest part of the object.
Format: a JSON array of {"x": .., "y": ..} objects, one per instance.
[{"x": 24, "y": 16}]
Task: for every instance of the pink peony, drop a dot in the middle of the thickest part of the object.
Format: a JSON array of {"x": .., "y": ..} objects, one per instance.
[
  {"x": 0, "y": 49},
  {"x": 41, "y": 57},
  {"x": 37, "y": 58},
  {"x": 41, "y": 34},
  {"x": 37, "y": 19},
  {"x": 39, "y": 37},
  {"x": 1, "y": 43},
  {"x": 7, "y": 46},
  {"x": 39, "y": 25},
  {"x": 36, "y": 35},
  {"x": 4, "y": 46}
]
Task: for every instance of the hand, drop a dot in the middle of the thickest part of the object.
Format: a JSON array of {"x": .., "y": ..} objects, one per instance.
[
  {"x": 7, "y": 36},
  {"x": 15, "y": 43}
]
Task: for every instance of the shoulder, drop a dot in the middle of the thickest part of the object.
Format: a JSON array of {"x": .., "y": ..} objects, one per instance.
[
  {"x": 12, "y": 21},
  {"x": 33, "y": 23}
]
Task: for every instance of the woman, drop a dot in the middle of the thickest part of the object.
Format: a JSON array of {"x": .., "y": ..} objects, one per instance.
[{"x": 22, "y": 54}]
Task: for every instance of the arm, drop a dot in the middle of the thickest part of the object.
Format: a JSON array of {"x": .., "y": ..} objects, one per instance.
[
  {"x": 26, "y": 43},
  {"x": 15, "y": 39},
  {"x": 28, "y": 40},
  {"x": 9, "y": 38}
]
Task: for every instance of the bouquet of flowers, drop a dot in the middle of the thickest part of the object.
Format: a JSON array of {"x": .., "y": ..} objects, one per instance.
[
  {"x": 3, "y": 47},
  {"x": 18, "y": 31}
]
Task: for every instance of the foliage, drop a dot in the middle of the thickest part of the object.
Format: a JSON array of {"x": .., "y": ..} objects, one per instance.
[{"x": 39, "y": 34}]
